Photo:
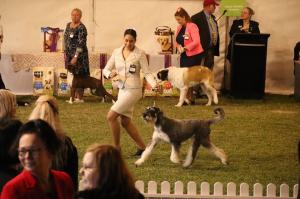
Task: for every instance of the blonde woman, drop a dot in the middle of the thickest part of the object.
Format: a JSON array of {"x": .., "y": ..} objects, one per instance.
[
  {"x": 67, "y": 158},
  {"x": 8, "y": 104}
]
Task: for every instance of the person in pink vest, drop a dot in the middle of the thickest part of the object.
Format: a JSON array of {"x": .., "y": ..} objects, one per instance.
[{"x": 188, "y": 43}]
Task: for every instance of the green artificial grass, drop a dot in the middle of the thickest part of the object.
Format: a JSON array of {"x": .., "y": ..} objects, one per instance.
[{"x": 260, "y": 138}]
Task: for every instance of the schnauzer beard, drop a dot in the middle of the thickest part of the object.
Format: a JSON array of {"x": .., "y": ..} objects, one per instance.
[{"x": 150, "y": 120}]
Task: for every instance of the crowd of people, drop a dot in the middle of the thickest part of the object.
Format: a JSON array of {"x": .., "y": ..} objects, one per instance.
[{"x": 39, "y": 160}]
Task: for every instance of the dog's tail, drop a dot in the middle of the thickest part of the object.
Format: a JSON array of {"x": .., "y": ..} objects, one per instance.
[{"x": 221, "y": 114}]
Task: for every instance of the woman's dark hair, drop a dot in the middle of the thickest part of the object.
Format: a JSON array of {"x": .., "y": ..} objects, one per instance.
[
  {"x": 44, "y": 132},
  {"x": 8, "y": 134},
  {"x": 130, "y": 32},
  {"x": 114, "y": 176},
  {"x": 180, "y": 12}
]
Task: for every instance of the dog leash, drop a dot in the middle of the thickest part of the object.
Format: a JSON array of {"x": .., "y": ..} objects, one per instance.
[{"x": 157, "y": 92}]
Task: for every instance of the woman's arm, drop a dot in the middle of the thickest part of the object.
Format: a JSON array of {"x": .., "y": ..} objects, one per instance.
[
  {"x": 110, "y": 65},
  {"x": 82, "y": 37}
]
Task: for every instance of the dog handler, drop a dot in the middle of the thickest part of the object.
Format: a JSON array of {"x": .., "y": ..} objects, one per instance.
[
  {"x": 127, "y": 62},
  {"x": 76, "y": 52},
  {"x": 188, "y": 43}
]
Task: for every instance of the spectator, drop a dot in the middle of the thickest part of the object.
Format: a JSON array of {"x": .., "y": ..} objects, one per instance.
[
  {"x": 9, "y": 162},
  {"x": 66, "y": 158},
  {"x": 8, "y": 104},
  {"x": 37, "y": 144},
  {"x": 104, "y": 174}
]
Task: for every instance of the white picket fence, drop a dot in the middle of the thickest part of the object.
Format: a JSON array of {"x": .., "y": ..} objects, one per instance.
[{"x": 192, "y": 192}]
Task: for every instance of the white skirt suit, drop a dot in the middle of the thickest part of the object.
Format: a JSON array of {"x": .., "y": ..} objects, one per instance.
[{"x": 129, "y": 80}]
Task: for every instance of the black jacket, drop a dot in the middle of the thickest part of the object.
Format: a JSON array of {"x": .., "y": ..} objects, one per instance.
[
  {"x": 238, "y": 24},
  {"x": 297, "y": 51},
  {"x": 236, "y": 28},
  {"x": 200, "y": 20},
  {"x": 8, "y": 133}
]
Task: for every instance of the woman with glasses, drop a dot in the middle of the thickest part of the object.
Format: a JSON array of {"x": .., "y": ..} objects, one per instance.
[
  {"x": 104, "y": 174},
  {"x": 37, "y": 145}
]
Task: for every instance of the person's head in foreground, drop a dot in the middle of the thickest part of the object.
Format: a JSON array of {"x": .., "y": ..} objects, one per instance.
[{"x": 104, "y": 174}]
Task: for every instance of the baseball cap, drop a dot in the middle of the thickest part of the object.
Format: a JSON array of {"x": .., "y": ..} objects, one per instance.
[{"x": 209, "y": 2}]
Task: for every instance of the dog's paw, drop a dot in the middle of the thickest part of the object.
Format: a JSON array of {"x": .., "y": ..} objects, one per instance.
[
  {"x": 69, "y": 101},
  {"x": 175, "y": 160},
  {"x": 139, "y": 162},
  {"x": 187, "y": 101},
  {"x": 186, "y": 165},
  {"x": 178, "y": 105},
  {"x": 224, "y": 161},
  {"x": 208, "y": 104}
]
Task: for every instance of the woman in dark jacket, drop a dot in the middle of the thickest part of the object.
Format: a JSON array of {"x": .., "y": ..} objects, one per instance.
[
  {"x": 9, "y": 162},
  {"x": 243, "y": 25},
  {"x": 104, "y": 174}
]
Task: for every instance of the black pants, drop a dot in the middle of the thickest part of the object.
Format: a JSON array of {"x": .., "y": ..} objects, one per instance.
[
  {"x": 209, "y": 58},
  {"x": 188, "y": 61}
]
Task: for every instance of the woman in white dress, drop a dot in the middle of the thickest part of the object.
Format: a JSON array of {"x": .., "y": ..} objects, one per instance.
[{"x": 126, "y": 63}]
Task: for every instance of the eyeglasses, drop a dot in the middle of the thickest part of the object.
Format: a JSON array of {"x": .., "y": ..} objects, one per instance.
[{"x": 32, "y": 152}]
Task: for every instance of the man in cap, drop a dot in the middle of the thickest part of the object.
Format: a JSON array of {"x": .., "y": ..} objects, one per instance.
[{"x": 208, "y": 30}]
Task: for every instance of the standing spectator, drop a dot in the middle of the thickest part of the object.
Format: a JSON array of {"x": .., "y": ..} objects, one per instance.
[
  {"x": 188, "y": 43},
  {"x": 209, "y": 33},
  {"x": 37, "y": 144},
  {"x": 243, "y": 25},
  {"x": 127, "y": 62},
  {"x": 104, "y": 175},
  {"x": 66, "y": 158},
  {"x": 76, "y": 52}
]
